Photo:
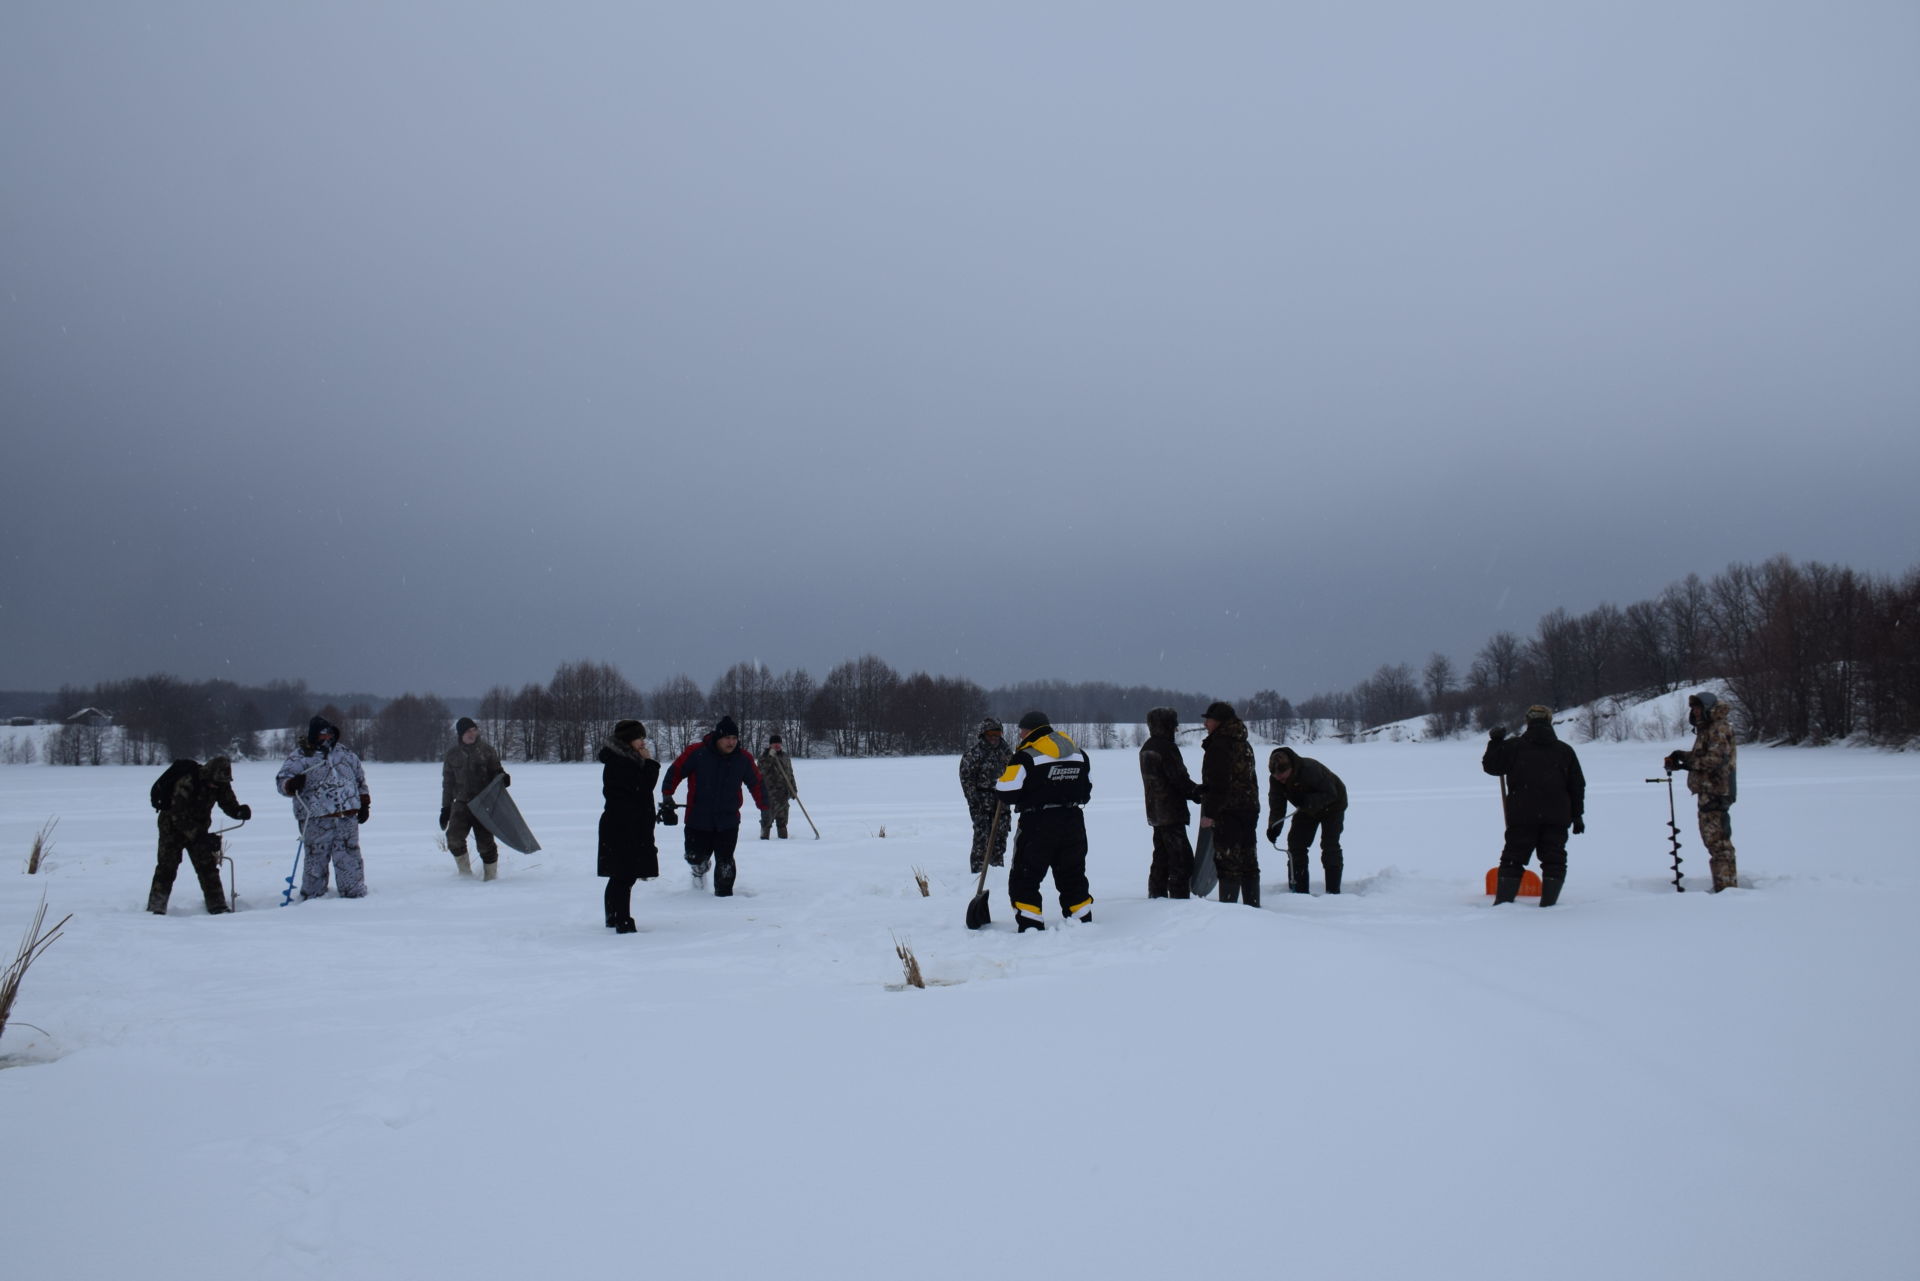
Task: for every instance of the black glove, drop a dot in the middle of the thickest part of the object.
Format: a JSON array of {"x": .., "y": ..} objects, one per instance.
[
  {"x": 1579, "y": 825},
  {"x": 669, "y": 812},
  {"x": 366, "y": 808},
  {"x": 295, "y": 783},
  {"x": 444, "y": 814},
  {"x": 1273, "y": 834},
  {"x": 246, "y": 812},
  {"x": 1497, "y": 733},
  {"x": 1676, "y": 760},
  {"x": 506, "y": 779}
]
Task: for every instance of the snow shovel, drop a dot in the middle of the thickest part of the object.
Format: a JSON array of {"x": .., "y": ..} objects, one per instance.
[
  {"x": 977, "y": 913},
  {"x": 1205, "y": 875}
]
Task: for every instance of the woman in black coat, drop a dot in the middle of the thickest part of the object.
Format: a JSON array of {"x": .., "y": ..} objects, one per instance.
[{"x": 628, "y": 773}]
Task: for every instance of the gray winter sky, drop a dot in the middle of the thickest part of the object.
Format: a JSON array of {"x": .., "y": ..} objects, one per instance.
[{"x": 1216, "y": 345}]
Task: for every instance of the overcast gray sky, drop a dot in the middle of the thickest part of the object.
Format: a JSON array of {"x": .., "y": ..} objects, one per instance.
[{"x": 1222, "y": 346}]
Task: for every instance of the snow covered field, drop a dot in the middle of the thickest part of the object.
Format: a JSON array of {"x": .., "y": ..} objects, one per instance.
[{"x": 467, "y": 1080}]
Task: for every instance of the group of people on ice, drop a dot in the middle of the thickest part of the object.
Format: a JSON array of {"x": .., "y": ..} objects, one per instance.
[{"x": 1033, "y": 789}]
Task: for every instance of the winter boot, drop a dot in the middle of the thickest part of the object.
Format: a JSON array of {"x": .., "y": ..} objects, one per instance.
[
  {"x": 1333, "y": 867},
  {"x": 464, "y": 863},
  {"x": 1027, "y": 923},
  {"x": 766, "y": 831},
  {"x": 783, "y": 831},
  {"x": 161, "y": 890},
  {"x": 723, "y": 872},
  {"x": 1724, "y": 877},
  {"x": 490, "y": 871},
  {"x": 1297, "y": 873},
  {"x": 1250, "y": 891},
  {"x": 1229, "y": 889},
  {"x": 1550, "y": 889},
  {"x": 625, "y": 925},
  {"x": 1507, "y": 888}
]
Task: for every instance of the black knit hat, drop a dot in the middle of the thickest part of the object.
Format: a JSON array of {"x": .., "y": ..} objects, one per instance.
[
  {"x": 1220, "y": 712},
  {"x": 1034, "y": 720},
  {"x": 318, "y": 725},
  {"x": 464, "y": 724},
  {"x": 726, "y": 728},
  {"x": 775, "y": 739},
  {"x": 627, "y": 731}
]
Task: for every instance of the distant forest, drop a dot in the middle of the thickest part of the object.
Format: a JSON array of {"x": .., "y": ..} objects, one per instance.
[{"x": 1810, "y": 652}]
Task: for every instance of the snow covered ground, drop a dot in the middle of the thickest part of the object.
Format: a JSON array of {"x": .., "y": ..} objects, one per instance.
[{"x": 467, "y": 1080}]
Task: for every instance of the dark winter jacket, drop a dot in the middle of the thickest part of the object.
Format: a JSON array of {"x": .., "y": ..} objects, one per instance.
[
  {"x": 187, "y": 803},
  {"x": 1226, "y": 772},
  {"x": 1163, "y": 772},
  {"x": 626, "y": 824},
  {"x": 714, "y": 780},
  {"x": 1311, "y": 788},
  {"x": 982, "y": 765},
  {"x": 466, "y": 770},
  {"x": 1048, "y": 769},
  {"x": 1544, "y": 782}
]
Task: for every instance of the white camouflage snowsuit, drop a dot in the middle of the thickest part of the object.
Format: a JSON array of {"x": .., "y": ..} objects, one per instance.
[{"x": 325, "y": 809}]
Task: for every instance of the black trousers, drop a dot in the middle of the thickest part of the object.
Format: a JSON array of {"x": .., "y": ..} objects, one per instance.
[
  {"x": 1523, "y": 839},
  {"x": 1050, "y": 841},
  {"x": 707, "y": 843},
  {"x": 1171, "y": 875}
]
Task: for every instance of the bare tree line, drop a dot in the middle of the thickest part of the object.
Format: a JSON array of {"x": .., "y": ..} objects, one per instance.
[{"x": 1810, "y": 652}]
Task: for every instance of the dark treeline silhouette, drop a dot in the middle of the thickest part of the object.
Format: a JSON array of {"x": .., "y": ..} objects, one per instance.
[
  {"x": 1093, "y": 702},
  {"x": 1810, "y": 653}
]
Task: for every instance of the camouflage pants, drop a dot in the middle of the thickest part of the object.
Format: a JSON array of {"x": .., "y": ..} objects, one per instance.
[
  {"x": 1716, "y": 833},
  {"x": 335, "y": 843},
  {"x": 459, "y": 823},
  {"x": 1171, "y": 875},
  {"x": 204, "y": 849},
  {"x": 1236, "y": 857},
  {"x": 775, "y": 815},
  {"x": 981, "y": 809}
]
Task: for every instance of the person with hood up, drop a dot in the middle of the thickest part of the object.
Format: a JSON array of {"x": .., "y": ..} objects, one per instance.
[
  {"x": 469, "y": 765},
  {"x": 1545, "y": 794},
  {"x": 1712, "y": 777},
  {"x": 980, "y": 768},
  {"x": 715, "y": 769},
  {"x": 1046, "y": 782},
  {"x": 627, "y": 852},
  {"x": 330, "y": 802},
  {"x": 1231, "y": 804},
  {"x": 1168, "y": 787},
  {"x": 1319, "y": 800},
  {"x": 184, "y": 797}
]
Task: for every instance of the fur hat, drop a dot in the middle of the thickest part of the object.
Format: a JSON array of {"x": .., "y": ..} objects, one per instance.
[
  {"x": 1539, "y": 712},
  {"x": 1034, "y": 720},
  {"x": 627, "y": 731}
]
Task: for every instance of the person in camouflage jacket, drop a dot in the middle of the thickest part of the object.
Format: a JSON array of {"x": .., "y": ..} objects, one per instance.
[
  {"x": 1712, "y": 777},
  {"x": 1231, "y": 804},
  {"x": 1168, "y": 788},
  {"x": 1319, "y": 800},
  {"x": 980, "y": 768},
  {"x": 184, "y": 798},
  {"x": 326, "y": 781},
  {"x": 469, "y": 765},
  {"x": 776, "y": 771}
]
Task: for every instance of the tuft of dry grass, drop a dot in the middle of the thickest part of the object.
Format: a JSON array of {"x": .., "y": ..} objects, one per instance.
[
  {"x": 920, "y": 878},
  {"x": 42, "y": 845},
  {"x": 882, "y": 833},
  {"x": 35, "y": 942},
  {"x": 911, "y": 962}
]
